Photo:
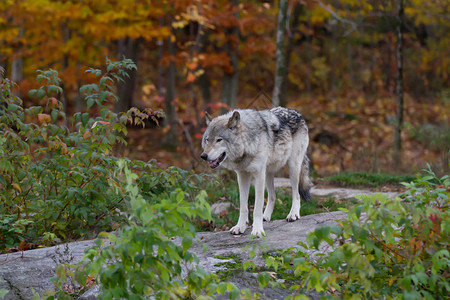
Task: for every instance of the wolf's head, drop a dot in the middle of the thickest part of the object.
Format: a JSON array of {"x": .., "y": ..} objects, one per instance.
[{"x": 219, "y": 135}]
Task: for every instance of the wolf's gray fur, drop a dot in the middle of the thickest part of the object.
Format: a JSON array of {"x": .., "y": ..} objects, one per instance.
[{"x": 256, "y": 144}]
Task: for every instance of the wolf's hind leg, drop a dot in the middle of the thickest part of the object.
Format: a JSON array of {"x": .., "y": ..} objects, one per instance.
[
  {"x": 270, "y": 197},
  {"x": 244, "y": 180},
  {"x": 294, "y": 176},
  {"x": 260, "y": 179}
]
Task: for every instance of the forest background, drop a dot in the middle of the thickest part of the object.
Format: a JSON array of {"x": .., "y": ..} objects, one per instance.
[{"x": 340, "y": 61}]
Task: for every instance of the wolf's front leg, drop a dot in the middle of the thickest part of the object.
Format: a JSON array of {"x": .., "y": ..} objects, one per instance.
[
  {"x": 244, "y": 180},
  {"x": 258, "y": 229}
]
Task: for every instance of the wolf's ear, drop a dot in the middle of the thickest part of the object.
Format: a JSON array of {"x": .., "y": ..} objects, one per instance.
[
  {"x": 234, "y": 120},
  {"x": 208, "y": 118}
]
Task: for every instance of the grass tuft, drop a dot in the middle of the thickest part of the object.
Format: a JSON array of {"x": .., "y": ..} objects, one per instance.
[{"x": 363, "y": 179}]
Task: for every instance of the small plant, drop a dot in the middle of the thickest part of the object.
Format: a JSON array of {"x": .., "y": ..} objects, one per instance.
[
  {"x": 3, "y": 293},
  {"x": 387, "y": 248}
]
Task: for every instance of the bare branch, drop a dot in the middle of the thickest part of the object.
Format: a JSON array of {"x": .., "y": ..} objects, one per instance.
[{"x": 337, "y": 17}]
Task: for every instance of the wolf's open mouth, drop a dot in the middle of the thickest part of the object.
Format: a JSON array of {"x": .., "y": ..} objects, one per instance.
[{"x": 215, "y": 163}]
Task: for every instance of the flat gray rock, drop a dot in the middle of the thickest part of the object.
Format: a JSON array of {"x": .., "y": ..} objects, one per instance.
[
  {"x": 21, "y": 273},
  {"x": 341, "y": 193},
  {"x": 280, "y": 235}
]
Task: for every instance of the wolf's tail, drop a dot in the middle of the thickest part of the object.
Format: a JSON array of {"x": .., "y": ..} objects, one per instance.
[{"x": 305, "y": 183}]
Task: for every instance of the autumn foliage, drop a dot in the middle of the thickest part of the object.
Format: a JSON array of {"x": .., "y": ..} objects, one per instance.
[{"x": 341, "y": 72}]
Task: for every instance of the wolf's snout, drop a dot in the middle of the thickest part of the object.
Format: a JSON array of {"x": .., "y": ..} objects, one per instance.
[{"x": 204, "y": 156}]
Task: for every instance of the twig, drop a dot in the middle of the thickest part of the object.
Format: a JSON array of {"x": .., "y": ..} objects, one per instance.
[
  {"x": 337, "y": 17},
  {"x": 188, "y": 138}
]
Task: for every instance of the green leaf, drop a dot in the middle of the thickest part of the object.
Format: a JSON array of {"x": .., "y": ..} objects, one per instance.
[
  {"x": 84, "y": 118},
  {"x": 54, "y": 114},
  {"x": 40, "y": 93},
  {"x": 336, "y": 229},
  {"x": 54, "y": 89},
  {"x": 13, "y": 107},
  {"x": 3, "y": 292},
  {"x": 234, "y": 291},
  {"x": 186, "y": 244},
  {"x": 90, "y": 102},
  {"x": 263, "y": 279},
  {"x": 358, "y": 211},
  {"x": 32, "y": 93},
  {"x": 221, "y": 288},
  {"x": 298, "y": 261},
  {"x": 323, "y": 232}
]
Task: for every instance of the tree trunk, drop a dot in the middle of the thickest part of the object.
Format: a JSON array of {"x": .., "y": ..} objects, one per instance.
[
  {"x": 170, "y": 121},
  {"x": 203, "y": 80},
  {"x": 66, "y": 33},
  {"x": 398, "y": 127},
  {"x": 230, "y": 80},
  {"x": 2, "y": 68},
  {"x": 160, "y": 44},
  {"x": 204, "y": 83},
  {"x": 308, "y": 46},
  {"x": 17, "y": 69},
  {"x": 280, "y": 69},
  {"x": 126, "y": 89},
  {"x": 17, "y": 65},
  {"x": 289, "y": 48},
  {"x": 79, "y": 99}
]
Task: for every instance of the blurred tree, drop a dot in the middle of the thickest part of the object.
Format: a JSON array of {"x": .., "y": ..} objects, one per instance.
[
  {"x": 399, "y": 123},
  {"x": 230, "y": 79},
  {"x": 126, "y": 89},
  {"x": 170, "y": 121},
  {"x": 293, "y": 37},
  {"x": 280, "y": 69},
  {"x": 214, "y": 41}
]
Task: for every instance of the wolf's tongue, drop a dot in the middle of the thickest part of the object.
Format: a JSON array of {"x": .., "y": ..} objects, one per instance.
[{"x": 213, "y": 163}]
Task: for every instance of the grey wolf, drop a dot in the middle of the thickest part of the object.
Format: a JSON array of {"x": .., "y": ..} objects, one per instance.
[{"x": 256, "y": 144}]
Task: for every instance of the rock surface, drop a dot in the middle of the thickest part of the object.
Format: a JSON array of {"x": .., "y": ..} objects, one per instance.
[
  {"x": 21, "y": 273},
  {"x": 341, "y": 193}
]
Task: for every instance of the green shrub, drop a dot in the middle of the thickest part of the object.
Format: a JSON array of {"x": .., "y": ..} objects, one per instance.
[
  {"x": 58, "y": 181},
  {"x": 386, "y": 249},
  {"x": 142, "y": 259}
]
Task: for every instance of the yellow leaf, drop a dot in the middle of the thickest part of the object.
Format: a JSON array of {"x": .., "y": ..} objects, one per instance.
[
  {"x": 391, "y": 281},
  {"x": 17, "y": 187}
]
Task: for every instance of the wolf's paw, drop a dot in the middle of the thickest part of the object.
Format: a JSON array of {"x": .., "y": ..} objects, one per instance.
[
  {"x": 238, "y": 229},
  {"x": 258, "y": 232},
  {"x": 293, "y": 217},
  {"x": 266, "y": 217}
]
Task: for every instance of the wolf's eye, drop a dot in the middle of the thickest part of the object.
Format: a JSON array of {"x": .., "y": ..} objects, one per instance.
[{"x": 218, "y": 140}]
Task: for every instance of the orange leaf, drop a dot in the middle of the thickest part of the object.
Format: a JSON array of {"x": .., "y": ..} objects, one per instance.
[
  {"x": 24, "y": 246},
  {"x": 191, "y": 78},
  {"x": 192, "y": 65},
  {"x": 54, "y": 101},
  {"x": 44, "y": 118}
]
